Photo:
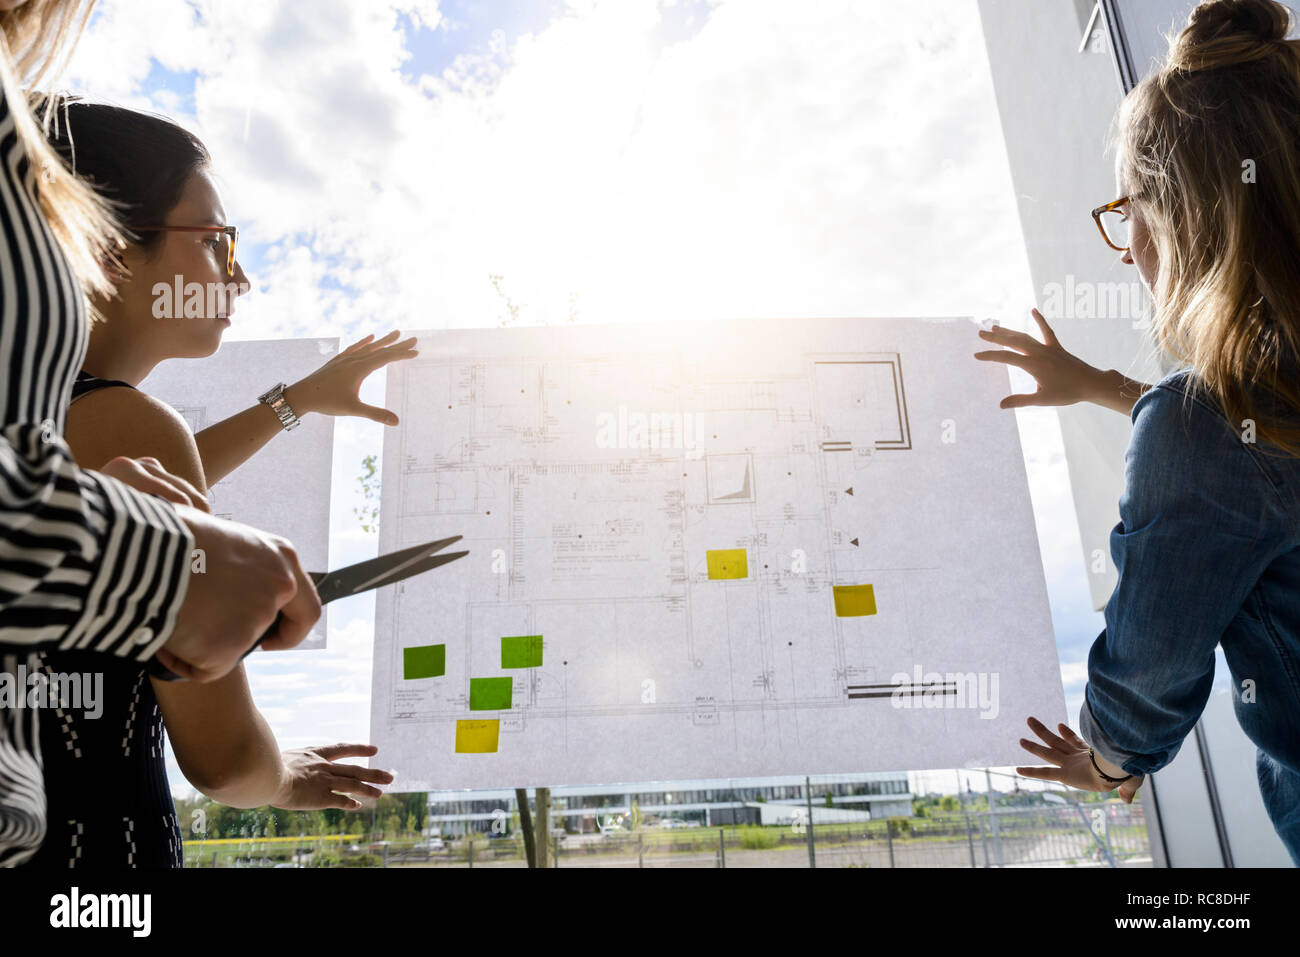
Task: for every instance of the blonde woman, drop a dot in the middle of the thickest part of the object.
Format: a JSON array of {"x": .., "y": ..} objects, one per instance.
[
  {"x": 92, "y": 561},
  {"x": 1208, "y": 544}
]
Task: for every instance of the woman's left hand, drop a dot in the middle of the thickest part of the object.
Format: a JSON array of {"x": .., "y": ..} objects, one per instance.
[
  {"x": 1074, "y": 768},
  {"x": 312, "y": 778},
  {"x": 333, "y": 388}
]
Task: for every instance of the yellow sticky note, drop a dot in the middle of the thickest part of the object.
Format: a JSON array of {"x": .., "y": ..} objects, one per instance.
[
  {"x": 854, "y": 601},
  {"x": 727, "y": 563},
  {"x": 477, "y": 737}
]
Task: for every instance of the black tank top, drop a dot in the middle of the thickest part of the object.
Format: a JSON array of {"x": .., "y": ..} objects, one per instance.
[{"x": 109, "y": 804}]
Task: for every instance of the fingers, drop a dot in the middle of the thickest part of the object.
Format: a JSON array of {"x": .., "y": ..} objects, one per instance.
[
  {"x": 1046, "y": 734},
  {"x": 348, "y": 785},
  {"x": 1011, "y": 338},
  {"x": 321, "y": 797},
  {"x": 332, "y": 752},
  {"x": 382, "y": 357},
  {"x": 370, "y": 343},
  {"x": 359, "y": 344},
  {"x": 300, "y": 612},
  {"x": 1021, "y": 400},
  {"x": 1017, "y": 359},
  {"x": 148, "y": 476},
  {"x": 1038, "y": 751},
  {"x": 1043, "y": 774},
  {"x": 1049, "y": 337},
  {"x": 376, "y": 414},
  {"x": 1068, "y": 734},
  {"x": 373, "y": 775},
  {"x": 194, "y": 497}
]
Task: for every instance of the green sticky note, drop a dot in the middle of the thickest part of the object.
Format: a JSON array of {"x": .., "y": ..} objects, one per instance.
[
  {"x": 521, "y": 651},
  {"x": 425, "y": 661},
  {"x": 490, "y": 694}
]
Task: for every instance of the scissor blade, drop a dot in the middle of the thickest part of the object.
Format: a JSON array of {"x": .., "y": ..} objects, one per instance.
[
  {"x": 375, "y": 572},
  {"x": 410, "y": 571}
]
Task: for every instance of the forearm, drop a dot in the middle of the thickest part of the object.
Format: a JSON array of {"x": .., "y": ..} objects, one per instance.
[
  {"x": 253, "y": 774},
  {"x": 230, "y": 443},
  {"x": 1118, "y": 392},
  {"x": 223, "y": 745}
]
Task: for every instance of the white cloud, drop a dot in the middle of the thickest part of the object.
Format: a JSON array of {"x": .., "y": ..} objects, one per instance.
[{"x": 786, "y": 159}]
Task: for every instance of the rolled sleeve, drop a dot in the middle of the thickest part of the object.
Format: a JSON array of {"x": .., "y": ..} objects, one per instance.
[
  {"x": 85, "y": 561},
  {"x": 1199, "y": 523}
]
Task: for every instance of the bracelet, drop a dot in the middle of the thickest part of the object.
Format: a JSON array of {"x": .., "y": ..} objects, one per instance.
[
  {"x": 1106, "y": 777},
  {"x": 275, "y": 399}
]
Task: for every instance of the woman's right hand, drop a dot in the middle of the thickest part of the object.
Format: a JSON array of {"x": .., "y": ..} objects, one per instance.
[{"x": 1063, "y": 379}]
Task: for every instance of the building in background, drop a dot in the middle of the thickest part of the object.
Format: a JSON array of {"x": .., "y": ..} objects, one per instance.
[{"x": 706, "y": 803}]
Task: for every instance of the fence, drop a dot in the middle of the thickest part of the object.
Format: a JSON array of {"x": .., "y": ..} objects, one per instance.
[{"x": 1069, "y": 835}]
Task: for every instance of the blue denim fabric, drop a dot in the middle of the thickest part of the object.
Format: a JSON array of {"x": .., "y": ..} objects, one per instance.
[{"x": 1208, "y": 553}]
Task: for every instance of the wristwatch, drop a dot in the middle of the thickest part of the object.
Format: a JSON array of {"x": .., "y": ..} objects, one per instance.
[{"x": 280, "y": 406}]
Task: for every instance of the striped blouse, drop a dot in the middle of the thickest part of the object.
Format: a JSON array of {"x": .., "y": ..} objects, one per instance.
[{"x": 85, "y": 562}]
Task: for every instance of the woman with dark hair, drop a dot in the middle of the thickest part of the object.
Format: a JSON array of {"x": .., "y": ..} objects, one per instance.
[
  {"x": 92, "y": 560},
  {"x": 158, "y": 176}
]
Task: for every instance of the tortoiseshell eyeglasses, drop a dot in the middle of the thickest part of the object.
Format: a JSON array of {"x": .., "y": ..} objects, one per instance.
[
  {"x": 1114, "y": 224},
  {"x": 231, "y": 231}
]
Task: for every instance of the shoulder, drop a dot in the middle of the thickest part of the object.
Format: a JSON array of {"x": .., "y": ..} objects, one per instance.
[
  {"x": 1182, "y": 436},
  {"x": 117, "y": 421},
  {"x": 133, "y": 410},
  {"x": 1179, "y": 407}
]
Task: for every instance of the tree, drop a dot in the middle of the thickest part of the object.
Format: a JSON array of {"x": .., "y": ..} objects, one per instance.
[{"x": 368, "y": 512}]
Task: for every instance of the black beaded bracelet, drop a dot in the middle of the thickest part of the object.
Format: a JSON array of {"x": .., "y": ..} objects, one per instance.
[{"x": 1106, "y": 777}]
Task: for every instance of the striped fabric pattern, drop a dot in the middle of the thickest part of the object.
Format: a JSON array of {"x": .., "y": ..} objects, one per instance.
[{"x": 85, "y": 562}]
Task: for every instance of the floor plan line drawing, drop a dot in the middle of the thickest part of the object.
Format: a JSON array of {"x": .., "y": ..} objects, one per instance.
[{"x": 724, "y": 568}]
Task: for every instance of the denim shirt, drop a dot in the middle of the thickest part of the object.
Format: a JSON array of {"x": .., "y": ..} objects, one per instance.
[{"x": 1208, "y": 553}]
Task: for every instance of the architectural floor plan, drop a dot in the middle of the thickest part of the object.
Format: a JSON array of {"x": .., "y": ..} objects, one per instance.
[{"x": 707, "y": 550}]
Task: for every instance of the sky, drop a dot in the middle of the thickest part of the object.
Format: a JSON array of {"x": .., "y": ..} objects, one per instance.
[{"x": 427, "y": 164}]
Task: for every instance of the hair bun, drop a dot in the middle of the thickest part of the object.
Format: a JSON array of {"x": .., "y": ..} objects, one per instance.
[{"x": 1222, "y": 33}]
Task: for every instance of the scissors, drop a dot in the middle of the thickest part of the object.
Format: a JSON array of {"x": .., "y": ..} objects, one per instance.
[{"x": 353, "y": 580}]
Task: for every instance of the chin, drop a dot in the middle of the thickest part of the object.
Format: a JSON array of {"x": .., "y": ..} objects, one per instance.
[{"x": 207, "y": 342}]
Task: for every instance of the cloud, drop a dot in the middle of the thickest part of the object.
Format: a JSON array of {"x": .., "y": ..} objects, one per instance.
[
  {"x": 630, "y": 160},
  {"x": 836, "y": 158}
]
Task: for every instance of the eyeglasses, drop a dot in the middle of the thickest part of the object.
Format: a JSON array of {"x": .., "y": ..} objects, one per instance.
[
  {"x": 1114, "y": 224},
  {"x": 231, "y": 231}
]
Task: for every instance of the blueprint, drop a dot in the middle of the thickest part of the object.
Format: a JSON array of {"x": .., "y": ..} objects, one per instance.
[
  {"x": 285, "y": 487},
  {"x": 704, "y": 550}
]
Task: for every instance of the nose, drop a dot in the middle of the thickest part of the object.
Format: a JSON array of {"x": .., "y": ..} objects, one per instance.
[
  {"x": 1127, "y": 258},
  {"x": 241, "y": 278}
]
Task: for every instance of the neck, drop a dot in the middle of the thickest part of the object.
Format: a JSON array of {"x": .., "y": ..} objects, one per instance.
[{"x": 113, "y": 353}]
